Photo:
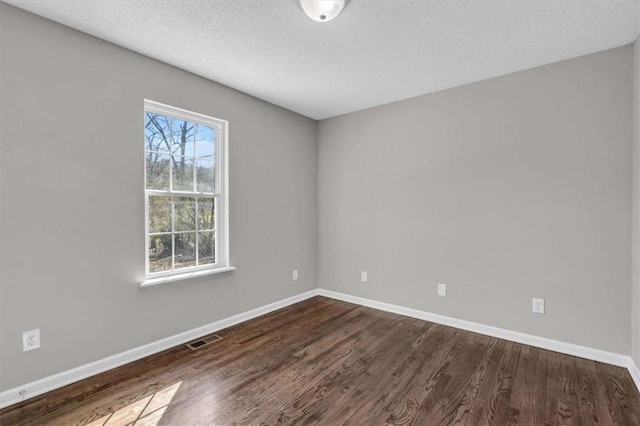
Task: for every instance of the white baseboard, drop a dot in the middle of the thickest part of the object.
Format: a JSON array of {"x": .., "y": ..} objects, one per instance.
[
  {"x": 64, "y": 378},
  {"x": 634, "y": 371},
  {"x": 501, "y": 333}
]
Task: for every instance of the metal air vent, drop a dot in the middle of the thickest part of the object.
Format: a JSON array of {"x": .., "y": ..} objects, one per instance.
[{"x": 203, "y": 341}]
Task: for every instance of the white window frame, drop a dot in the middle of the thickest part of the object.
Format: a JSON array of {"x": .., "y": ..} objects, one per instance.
[{"x": 220, "y": 197}]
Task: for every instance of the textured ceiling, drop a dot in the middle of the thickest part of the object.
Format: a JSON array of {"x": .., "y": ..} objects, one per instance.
[{"x": 375, "y": 52}]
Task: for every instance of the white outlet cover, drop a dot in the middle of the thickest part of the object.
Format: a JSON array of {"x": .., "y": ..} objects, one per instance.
[
  {"x": 295, "y": 274},
  {"x": 363, "y": 276},
  {"x": 537, "y": 306},
  {"x": 442, "y": 289},
  {"x": 30, "y": 340}
]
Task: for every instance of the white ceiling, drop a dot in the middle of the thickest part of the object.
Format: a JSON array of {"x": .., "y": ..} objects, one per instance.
[{"x": 375, "y": 52}]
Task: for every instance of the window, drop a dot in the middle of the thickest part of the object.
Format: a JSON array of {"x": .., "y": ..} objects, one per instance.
[{"x": 185, "y": 193}]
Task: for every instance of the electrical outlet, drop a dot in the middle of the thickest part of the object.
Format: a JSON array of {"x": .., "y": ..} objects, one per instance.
[
  {"x": 442, "y": 289},
  {"x": 363, "y": 276},
  {"x": 295, "y": 275},
  {"x": 537, "y": 306},
  {"x": 30, "y": 340}
]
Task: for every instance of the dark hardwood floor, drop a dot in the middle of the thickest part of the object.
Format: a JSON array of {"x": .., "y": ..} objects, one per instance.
[{"x": 327, "y": 362}]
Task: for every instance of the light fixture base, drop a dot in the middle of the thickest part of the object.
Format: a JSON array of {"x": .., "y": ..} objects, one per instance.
[{"x": 323, "y": 10}]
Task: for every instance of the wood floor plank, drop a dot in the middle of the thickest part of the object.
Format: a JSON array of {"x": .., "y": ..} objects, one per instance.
[
  {"x": 621, "y": 394},
  {"x": 584, "y": 388},
  {"x": 482, "y": 384},
  {"x": 520, "y": 402},
  {"x": 552, "y": 393},
  {"x": 327, "y": 362}
]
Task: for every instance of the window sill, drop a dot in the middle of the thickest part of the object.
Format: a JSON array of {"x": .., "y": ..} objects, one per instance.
[{"x": 185, "y": 276}]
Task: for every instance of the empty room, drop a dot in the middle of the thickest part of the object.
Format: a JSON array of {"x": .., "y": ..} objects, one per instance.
[{"x": 319, "y": 212}]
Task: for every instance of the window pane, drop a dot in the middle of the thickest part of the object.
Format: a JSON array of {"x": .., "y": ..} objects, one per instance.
[
  {"x": 159, "y": 253},
  {"x": 185, "y": 246},
  {"x": 168, "y": 134},
  {"x": 183, "y": 174},
  {"x": 206, "y": 214},
  {"x": 157, "y": 171},
  {"x": 156, "y": 133},
  {"x": 206, "y": 248},
  {"x": 205, "y": 142},
  {"x": 184, "y": 210},
  {"x": 205, "y": 175},
  {"x": 159, "y": 214}
]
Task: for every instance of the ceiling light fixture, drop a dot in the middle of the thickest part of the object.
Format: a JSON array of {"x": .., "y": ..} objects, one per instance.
[{"x": 323, "y": 10}]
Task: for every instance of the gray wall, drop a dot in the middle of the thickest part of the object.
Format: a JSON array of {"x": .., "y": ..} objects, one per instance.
[
  {"x": 71, "y": 196},
  {"x": 506, "y": 189},
  {"x": 635, "y": 253}
]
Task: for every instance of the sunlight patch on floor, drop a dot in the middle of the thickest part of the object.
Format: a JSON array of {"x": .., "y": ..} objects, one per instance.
[{"x": 145, "y": 412}]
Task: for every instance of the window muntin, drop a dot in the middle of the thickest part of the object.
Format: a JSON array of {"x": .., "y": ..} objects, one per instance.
[{"x": 185, "y": 191}]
